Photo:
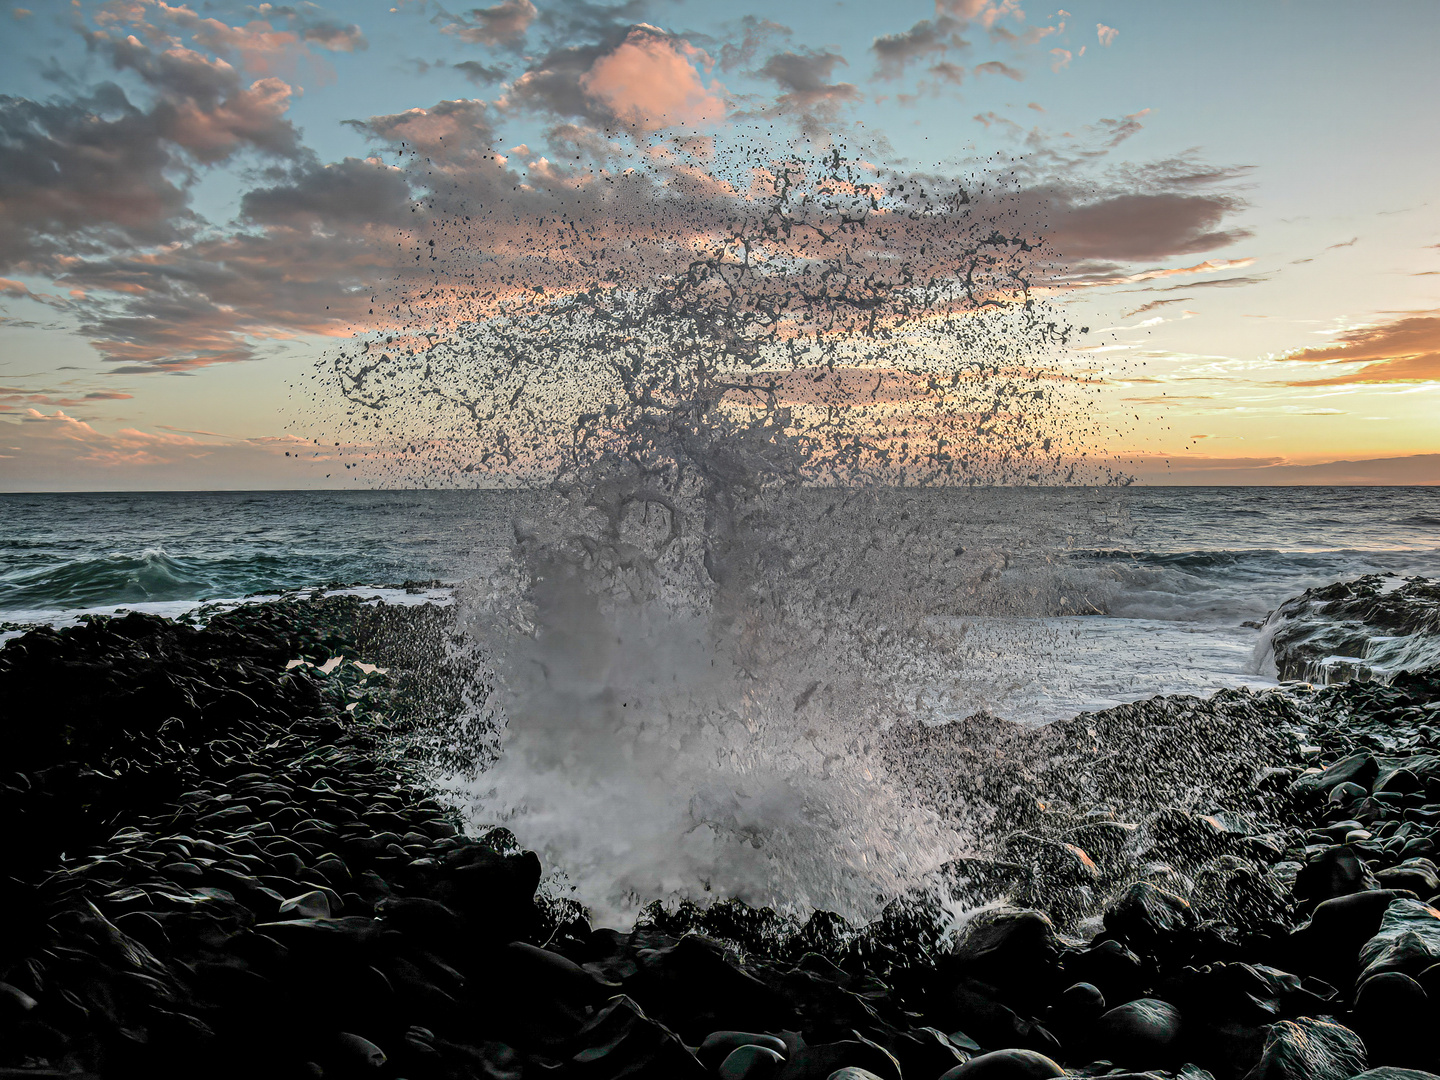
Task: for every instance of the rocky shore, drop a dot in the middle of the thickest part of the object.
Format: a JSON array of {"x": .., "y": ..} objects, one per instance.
[{"x": 222, "y": 863}]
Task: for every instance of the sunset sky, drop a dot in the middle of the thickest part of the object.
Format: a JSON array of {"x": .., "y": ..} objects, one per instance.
[{"x": 198, "y": 201}]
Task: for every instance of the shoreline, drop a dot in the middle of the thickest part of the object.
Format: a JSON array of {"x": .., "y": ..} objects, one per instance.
[{"x": 226, "y": 866}]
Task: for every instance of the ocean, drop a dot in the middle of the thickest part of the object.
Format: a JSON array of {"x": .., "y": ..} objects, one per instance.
[{"x": 1160, "y": 590}]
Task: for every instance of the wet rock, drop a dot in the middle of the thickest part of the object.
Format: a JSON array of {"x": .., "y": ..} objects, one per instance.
[
  {"x": 311, "y": 905},
  {"x": 694, "y": 986},
  {"x": 819, "y": 1062},
  {"x": 1179, "y": 836},
  {"x": 1109, "y": 966},
  {"x": 1329, "y": 944},
  {"x": 750, "y": 1062},
  {"x": 1236, "y": 891},
  {"x": 529, "y": 970},
  {"x": 1013, "y": 950},
  {"x": 972, "y": 1008},
  {"x": 1392, "y": 1014},
  {"x": 850, "y": 1072},
  {"x": 927, "y": 1051},
  {"x": 622, "y": 1041},
  {"x": 1401, "y": 781},
  {"x": 356, "y": 1053},
  {"x": 1419, "y": 875},
  {"x": 14, "y": 1003},
  {"x": 1006, "y": 1065},
  {"x": 1361, "y": 769},
  {"x": 1103, "y": 841},
  {"x": 718, "y": 1045},
  {"x": 1142, "y": 1032},
  {"x": 1346, "y": 794},
  {"x": 1335, "y": 871},
  {"x": 1150, "y": 919},
  {"x": 1074, "y": 1013},
  {"x": 1309, "y": 1049},
  {"x": 1408, "y": 940}
]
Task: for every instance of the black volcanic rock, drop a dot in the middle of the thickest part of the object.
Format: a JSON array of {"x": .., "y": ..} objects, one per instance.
[
  {"x": 1140, "y": 1033},
  {"x": 1336, "y": 871},
  {"x": 1309, "y": 1049},
  {"x": 1408, "y": 940},
  {"x": 253, "y": 884},
  {"x": 1115, "y": 970},
  {"x": 1329, "y": 944},
  {"x": 1006, "y": 1065},
  {"x": 1150, "y": 919},
  {"x": 1013, "y": 950},
  {"x": 1394, "y": 1016}
]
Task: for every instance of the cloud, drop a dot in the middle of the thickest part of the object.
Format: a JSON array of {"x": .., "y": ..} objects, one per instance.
[
  {"x": 1209, "y": 266},
  {"x": 642, "y": 78},
  {"x": 1404, "y": 351},
  {"x": 755, "y": 34},
  {"x": 1106, "y": 34},
  {"x": 1153, "y": 304},
  {"x": 16, "y": 400},
  {"x": 895, "y": 52},
  {"x": 203, "y": 105},
  {"x": 53, "y": 451},
  {"x": 804, "y": 79},
  {"x": 1275, "y": 471},
  {"x": 482, "y": 74},
  {"x": 280, "y": 35},
  {"x": 650, "y": 81},
  {"x": 995, "y": 67},
  {"x": 504, "y": 24},
  {"x": 1139, "y": 226},
  {"x": 83, "y": 175},
  {"x": 348, "y": 192}
]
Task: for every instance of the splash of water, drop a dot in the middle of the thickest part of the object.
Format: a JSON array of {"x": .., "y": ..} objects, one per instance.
[{"x": 699, "y": 641}]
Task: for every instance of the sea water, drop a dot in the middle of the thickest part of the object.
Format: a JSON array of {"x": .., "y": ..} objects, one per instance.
[{"x": 1165, "y": 584}]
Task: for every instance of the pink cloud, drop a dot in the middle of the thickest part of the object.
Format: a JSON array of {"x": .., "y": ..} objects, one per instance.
[
  {"x": 252, "y": 116},
  {"x": 651, "y": 82},
  {"x": 1106, "y": 34},
  {"x": 1403, "y": 351}
]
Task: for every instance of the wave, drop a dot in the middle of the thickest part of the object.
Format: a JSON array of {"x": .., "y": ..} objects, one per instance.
[{"x": 154, "y": 575}]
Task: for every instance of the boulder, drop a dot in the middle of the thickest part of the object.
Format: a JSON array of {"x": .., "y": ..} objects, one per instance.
[
  {"x": 1392, "y": 1015},
  {"x": 1309, "y": 1049},
  {"x": 1013, "y": 950},
  {"x": 719, "y": 1045},
  {"x": 1408, "y": 940},
  {"x": 750, "y": 1062},
  {"x": 620, "y": 1040},
  {"x": 820, "y": 1061},
  {"x": 1419, "y": 875},
  {"x": 1336, "y": 871},
  {"x": 1329, "y": 944},
  {"x": 1006, "y": 1065},
  {"x": 1361, "y": 768},
  {"x": 1143, "y": 1033},
  {"x": 1149, "y": 919},
  {"x": 1111, "y": 968}
]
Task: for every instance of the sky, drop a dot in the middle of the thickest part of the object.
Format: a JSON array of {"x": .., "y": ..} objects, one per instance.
[{"x": 199, "y": 202}]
